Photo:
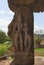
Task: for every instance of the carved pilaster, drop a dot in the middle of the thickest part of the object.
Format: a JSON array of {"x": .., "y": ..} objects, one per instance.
[{"x": 21, "y": 31}]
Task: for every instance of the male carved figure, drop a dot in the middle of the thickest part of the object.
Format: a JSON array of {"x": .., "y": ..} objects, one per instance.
[{"x": 21, "y": 29}]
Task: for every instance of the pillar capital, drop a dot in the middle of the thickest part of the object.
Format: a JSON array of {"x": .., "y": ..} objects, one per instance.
[{"x": 13, "y": 4}]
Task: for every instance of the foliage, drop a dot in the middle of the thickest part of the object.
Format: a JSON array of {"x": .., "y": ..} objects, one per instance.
[
  {"x": 3, "y": 37},
  {"x": 35, "y": 38},
  {"x": 4, "y": 48},
  {"x": 37, "y": 41},
  {"x": 39, "y": 50}
]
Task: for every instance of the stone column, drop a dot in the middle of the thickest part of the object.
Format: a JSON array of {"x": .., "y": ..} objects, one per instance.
[{"x": 21, "y": 31}]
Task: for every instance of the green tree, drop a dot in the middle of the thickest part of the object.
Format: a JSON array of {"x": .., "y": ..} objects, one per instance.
[{"x": 3, "y": 37}]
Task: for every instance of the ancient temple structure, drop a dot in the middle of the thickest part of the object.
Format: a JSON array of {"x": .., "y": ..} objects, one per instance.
[{"x": 21, "y": 29}]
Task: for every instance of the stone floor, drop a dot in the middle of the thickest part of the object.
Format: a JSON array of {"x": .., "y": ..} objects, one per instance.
[
  {"x": 5, "y": 62},
  {"x": 38, "y": 61}
]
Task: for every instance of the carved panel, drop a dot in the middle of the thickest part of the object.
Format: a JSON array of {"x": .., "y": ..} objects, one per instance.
[{"x": 21, "y": 31}]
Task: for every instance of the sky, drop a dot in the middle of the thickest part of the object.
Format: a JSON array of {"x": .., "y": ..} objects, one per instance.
[{"x": 6, "y": 16}]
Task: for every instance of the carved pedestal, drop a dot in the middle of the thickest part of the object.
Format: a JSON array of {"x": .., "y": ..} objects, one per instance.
[{"x": 21, "y": 31}]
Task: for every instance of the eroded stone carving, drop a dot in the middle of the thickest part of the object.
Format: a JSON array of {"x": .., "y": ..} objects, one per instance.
[
  {"x": 21, "y": 33},
  {"x": 21, "y": 29}
]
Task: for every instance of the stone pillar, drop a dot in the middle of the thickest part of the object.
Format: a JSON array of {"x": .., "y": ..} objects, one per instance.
[{"x": 21, "y": 31}]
